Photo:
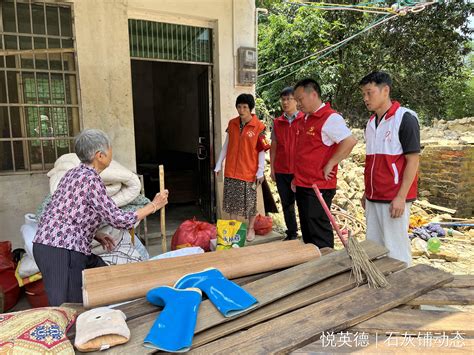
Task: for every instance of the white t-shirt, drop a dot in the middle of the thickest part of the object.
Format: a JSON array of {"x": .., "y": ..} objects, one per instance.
[{"x": 334, "y": 129}]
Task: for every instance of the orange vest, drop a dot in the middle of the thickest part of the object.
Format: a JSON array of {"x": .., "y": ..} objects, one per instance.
[{"x": 242, "y": 155}]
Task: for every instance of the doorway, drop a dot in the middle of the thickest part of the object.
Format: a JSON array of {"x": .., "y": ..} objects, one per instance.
[{"x": 172, "y": 106}]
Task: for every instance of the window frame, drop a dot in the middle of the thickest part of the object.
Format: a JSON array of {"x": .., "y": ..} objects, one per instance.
[{"x": 22, "y": 159}]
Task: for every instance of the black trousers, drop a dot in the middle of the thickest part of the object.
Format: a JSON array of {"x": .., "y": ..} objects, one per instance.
[
  {"x": 288, "y": 198},
  {"x": 62, "y": 272},
  {"x": 315, "y": 225}
]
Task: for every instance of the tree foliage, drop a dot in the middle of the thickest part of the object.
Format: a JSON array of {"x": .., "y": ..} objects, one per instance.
[{"x": 424, "y": 52}]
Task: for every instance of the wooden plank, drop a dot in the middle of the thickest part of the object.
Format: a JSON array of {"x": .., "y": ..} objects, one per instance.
[
  {"x": 461, "y": 281},
  {"x": 164, "y": 247},
  {"x": 266, "y": 290},
  {"x": 446, "y": 296},
  {"x": 415, "y": 320},
  {"x": 391, "y": 345},
  {"x": 309, "y": 295},
  {"x": 118, "y": 283},
  {"x": 303, "y": 326},
  {"x": 424, "y": 203}
]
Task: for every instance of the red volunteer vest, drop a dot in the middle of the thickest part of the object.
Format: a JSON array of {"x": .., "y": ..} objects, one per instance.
[
  {"x": 311, "y": 153},
  {"x": 285, "y": 133},
  {"x": 242, "y": 154},
  {"x": 385, "y": 162}
]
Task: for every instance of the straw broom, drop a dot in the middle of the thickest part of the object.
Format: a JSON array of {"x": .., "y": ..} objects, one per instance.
[{"x": 361, "y": 264}]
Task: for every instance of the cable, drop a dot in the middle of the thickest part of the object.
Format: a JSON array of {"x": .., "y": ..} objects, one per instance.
[
  {"x": 332, "y": 47},
  {"x": 417, "y": 8},
  {"x": 315, "y": 53}
]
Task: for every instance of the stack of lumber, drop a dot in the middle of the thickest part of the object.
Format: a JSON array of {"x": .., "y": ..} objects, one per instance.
[
  {"x": 117, "y": 283},
  {"x": 300, "y": 305}
]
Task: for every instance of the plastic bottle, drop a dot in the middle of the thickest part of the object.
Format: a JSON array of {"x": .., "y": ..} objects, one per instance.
[{"x": 434, "y": 244}]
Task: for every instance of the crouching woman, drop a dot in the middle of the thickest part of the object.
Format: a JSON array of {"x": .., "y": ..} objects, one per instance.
[{"x": 79, "y": 206}]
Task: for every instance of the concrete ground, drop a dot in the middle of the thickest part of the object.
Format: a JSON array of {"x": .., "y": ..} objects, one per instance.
[{"x": 177, "y": 214}]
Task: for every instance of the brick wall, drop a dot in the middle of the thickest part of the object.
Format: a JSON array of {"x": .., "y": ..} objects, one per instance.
[{"x": 447, "y": 173}]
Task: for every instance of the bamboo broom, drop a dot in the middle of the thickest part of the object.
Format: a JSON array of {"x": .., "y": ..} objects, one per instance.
[{"x": 361, "y": 264}]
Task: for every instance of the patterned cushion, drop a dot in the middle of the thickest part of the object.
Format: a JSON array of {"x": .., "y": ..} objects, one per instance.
[{"x": 36, "y": 331}]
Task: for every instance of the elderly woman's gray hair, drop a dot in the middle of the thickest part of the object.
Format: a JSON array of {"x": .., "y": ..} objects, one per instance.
[{"x": 89, "y": 142}]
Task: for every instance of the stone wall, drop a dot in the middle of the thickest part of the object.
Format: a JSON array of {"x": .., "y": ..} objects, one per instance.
[{"x": 446, "y": 177}]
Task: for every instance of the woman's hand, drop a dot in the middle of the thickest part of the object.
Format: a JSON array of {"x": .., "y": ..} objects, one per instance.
[
  {"x": 161, "y": 199},
  {"x": 105, "y": 240}
]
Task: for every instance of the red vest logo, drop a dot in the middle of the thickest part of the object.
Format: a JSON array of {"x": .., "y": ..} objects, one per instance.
[{"x": 311, "y": 131}]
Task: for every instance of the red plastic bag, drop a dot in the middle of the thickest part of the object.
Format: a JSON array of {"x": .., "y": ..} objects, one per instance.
[
  {"x": 263, "y": 225},
  {"x": 192, "y": 233},
  {"x": 8, "y": 282},
  {"x": 6, "y": 257}
]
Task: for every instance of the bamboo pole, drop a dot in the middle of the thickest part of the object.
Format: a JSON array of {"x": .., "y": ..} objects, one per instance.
[
  {"x": 117, "y": 283},
  {"x": 164, "y": 247}
]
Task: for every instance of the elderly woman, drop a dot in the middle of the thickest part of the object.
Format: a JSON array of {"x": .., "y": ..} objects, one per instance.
[
  {"x": 79, "y": 206},
  {"x": 244, "y": 151}
]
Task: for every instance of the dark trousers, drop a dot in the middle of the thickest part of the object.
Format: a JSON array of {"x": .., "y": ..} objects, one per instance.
[
  {"x": 315, "y": 225},
  {"x": 62, "y": 272},
  {"x": 287, "y": 197}
]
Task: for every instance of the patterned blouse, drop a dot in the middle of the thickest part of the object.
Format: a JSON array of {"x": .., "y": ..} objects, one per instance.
[{"x": 78, "y": 207}]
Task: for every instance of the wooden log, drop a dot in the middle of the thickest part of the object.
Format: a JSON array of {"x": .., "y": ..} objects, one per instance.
[
  {"x": 418, "y": 321},
  {"x": 309, "y": 295},
  {"x": 305, "y": 325},
  {"x": 424, "y": 203},
  {"x": 461, "y": 281},
  {"x": 164, "y": 247},
  {"x": 265, "y": 290},
  {"x": 118, "y": 283},
  {"x": 436, "y": 344},
  {"x": 445, "y": 296}
]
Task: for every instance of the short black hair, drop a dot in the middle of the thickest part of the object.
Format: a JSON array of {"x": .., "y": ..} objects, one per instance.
[
  {"x": 245, "y": 99},
  {"x": 309, "y": 84},
  {"x": 287, "y": 91},
  {"x": 379, "y": 78}
]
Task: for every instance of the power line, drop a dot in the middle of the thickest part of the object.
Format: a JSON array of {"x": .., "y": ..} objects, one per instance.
[
  {"x": 330, "y": 49},
  {"x": 401, "y": 11}
]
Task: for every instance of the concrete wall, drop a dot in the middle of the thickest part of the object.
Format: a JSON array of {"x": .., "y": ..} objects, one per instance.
[
  {"x": 19, "y": 194},
  {"x": 101, "y": 30}
]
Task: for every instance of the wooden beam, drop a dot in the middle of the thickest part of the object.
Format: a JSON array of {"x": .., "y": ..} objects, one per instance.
[
  {"x": 445, "y": 296},
  {"x": 309, "y": 295},
  {"x": 118, "y": 283},
  {"x": 461, "y": 281},
  {"x": 303, "y": 326},
  {"x": 265, "y": 290},
  {"x": 418, "y": 321}
]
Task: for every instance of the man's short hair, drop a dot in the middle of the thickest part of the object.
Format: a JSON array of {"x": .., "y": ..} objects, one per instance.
[
  {"x": 379, "y": 78},
  {"x": 245, "y": 99},
  {"x": 309, "y": 85},
  {"x": 287, "y": 92}
]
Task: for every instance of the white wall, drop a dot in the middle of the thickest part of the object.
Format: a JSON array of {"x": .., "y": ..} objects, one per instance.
[{"x": 101, "y": 30}]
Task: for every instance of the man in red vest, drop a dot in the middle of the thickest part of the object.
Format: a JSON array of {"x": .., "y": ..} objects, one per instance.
[
  {"x": 282, "y": 153},
  {"x": 392, "y": 156},
  {"x": 323, "y": 140}
]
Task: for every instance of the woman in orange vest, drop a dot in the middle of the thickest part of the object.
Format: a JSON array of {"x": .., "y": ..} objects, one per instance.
[{"x": 244, "y": 150}]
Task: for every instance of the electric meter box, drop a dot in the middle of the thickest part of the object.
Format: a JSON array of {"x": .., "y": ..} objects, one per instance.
[{"x": 247, "y": 72}]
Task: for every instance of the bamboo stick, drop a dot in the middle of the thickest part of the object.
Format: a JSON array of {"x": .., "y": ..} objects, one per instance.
[
  {"x": 117, "y": 283},
  {"x": 164, "y": 247}
]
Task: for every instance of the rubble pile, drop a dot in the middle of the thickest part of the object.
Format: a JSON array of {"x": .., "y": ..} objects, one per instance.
[
  {"x": 457, "y": 245},
  {"x": 459, "y": 131}
]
